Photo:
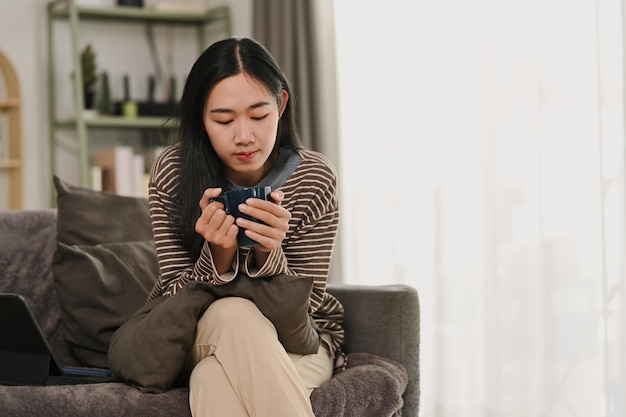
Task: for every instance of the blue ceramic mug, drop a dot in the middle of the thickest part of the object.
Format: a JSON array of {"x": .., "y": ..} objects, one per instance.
[{"x": 231, "y": 201}]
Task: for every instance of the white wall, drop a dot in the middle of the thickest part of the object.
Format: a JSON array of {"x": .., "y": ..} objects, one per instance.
[{"x": 23, "y": 40}]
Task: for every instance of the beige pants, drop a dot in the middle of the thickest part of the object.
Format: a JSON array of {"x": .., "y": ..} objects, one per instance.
[{"x": 241, "y": 369}]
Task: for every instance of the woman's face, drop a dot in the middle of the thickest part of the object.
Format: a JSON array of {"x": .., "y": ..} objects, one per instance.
[{"x": 241, "y": 119}]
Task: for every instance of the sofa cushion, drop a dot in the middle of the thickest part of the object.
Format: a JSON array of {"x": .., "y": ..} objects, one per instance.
[
  {"x": 88, "y": 217},
  {"x": 371, "y": 386},
  {"x": 104, "y": 265},
  {"x": 99, "y": 288}
]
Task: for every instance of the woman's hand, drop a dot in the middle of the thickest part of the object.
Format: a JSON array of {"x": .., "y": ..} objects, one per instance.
[
  {"x": 276, "y": 218},
  {"x": 219, "y": 229}
]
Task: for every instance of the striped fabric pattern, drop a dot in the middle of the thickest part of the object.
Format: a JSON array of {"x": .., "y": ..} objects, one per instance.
[{"x": 310, "y": 196}]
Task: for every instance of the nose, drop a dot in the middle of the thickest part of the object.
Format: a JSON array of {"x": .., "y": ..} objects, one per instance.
[{"x": 243, "y": 133}]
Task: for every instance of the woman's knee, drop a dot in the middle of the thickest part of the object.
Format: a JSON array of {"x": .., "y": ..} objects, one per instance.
[
  {"x": 233, "y": 308},
  {"x": 205, "y": 372},
  {"x": 234, "y": 313}
]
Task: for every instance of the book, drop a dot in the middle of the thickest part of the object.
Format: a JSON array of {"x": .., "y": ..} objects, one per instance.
[
  {"x": 139, "y": 190},
  {"x": 119, "y": 169},
  {"x": 96, "y": 178}
]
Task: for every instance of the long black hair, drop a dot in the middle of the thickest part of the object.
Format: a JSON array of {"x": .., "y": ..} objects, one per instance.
[{"x": 200, "y": 166}]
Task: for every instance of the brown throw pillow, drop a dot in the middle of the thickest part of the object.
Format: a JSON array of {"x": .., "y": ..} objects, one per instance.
[
  {"x": 99, "y": 288},
  {"x": 88, "y": 217},
  {"x": 104, "y": 265},
  {"x": 284, "y": 300}
]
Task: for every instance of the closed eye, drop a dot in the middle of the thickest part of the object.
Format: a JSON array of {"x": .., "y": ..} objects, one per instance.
[
  {"x": 259, "y": 117},
  {"x": 227, "y": 122}
]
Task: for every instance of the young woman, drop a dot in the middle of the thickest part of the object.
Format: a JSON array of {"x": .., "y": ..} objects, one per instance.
[{"x": 237, "y": 129}]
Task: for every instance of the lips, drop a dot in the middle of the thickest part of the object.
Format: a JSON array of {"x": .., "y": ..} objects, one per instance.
[{"x": 245, "y": 156}]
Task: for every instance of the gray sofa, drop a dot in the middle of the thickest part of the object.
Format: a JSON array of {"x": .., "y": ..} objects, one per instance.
[{"x": 382, "y": 342}]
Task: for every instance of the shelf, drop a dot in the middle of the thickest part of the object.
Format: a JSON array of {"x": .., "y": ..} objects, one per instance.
[
  {"x": 121, "y": 122},
  {"x": 67, "y": 13},
  {"x": 145, "y": 15},
  {"x": 10, "y": 163},
  {"x": 9, "y": 104}
]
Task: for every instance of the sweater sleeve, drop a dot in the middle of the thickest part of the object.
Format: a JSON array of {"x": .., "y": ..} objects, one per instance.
[
  {"x": 310, "y": 248},
  {"x": 176, "y": 267},
  {"x": 311, "y": 197}
]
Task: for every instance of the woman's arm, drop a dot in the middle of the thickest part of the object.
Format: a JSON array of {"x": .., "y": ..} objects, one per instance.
[
  {"x": 311, "y": 197},
  {"x": 176, "y": 267}
]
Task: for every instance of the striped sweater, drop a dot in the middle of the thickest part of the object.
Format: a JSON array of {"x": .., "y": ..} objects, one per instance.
[{"x": 311, "y": 197}]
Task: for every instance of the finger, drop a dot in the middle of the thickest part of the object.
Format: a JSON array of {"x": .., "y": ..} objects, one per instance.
[
  {"x": 206, "y": 223},
  {"x": 219, "y": 229},
  {"x": 269, "y": 213},
  {"x": 265, "y": 205},
  {"x": 225, "y": 224},
  {"x": 207, "y": 213},
  {"x": 265, "y": 243},
  {"x": 226, "y": 235},
  {"x": 277, "y": 196},
  {"x": 208, "y": 194},
  {"x": 211, "y": 217},
  {"x": 210, "y": 210},
  {"x": 275, "y": 234},
  {"x": 215, "y": 205}
]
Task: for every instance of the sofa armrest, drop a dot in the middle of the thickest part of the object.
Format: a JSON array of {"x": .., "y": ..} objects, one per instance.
[
  {"x": 27, "y": 245},
  {"x": 384, "y": 320}
]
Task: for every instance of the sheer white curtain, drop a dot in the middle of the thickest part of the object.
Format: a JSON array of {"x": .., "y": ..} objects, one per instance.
[{"x": 482, "y": 161}]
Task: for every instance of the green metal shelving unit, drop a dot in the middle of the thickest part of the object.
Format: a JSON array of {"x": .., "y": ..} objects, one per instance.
[{"x": 69, "y": 12}]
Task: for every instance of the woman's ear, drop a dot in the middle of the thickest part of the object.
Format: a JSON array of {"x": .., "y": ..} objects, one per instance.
[{"x": 284, "y": 98}]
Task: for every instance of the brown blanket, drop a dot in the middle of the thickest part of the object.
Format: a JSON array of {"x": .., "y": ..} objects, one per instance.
[{"x": 150, "y": 349}]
